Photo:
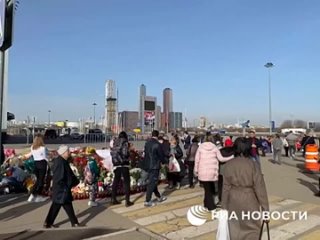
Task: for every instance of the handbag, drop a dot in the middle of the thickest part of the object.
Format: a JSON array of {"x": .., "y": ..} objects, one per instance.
[
  {"x": 223, "y": 226},
  {"x": 261, "y": 230},
  {"x": 174, "y": 165}
]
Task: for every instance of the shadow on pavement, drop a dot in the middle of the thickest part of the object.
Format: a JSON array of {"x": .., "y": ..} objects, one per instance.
[
  {"x": 17, "y": 198},
  {"x": 65, "y": 234},
  {"x": 91, "y": 213},
  {"x": 312, "y": 186},
  {"x": 20, "y": 210}
]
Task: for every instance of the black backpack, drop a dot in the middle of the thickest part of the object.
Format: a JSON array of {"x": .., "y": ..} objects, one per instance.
[{"x": 120, "y": 152}]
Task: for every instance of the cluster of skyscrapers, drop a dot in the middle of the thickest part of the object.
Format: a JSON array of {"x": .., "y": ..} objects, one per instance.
[{"x": 147, "y": 118}]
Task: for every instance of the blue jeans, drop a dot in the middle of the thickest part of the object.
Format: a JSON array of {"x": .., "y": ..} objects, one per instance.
[
  {"x": 257, "y": 160},
  {"x": 152, "y": 186}
]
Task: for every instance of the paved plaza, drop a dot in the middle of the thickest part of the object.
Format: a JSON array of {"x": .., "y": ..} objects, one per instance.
[{"x": 289, "y": 189}]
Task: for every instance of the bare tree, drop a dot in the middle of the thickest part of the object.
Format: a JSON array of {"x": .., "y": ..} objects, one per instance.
[{"x": 287, "y": 124}]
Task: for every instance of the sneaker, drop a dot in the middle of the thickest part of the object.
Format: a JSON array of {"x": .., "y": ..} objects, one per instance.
[
  {"x": 77, "y": 225},
  {"x": 178, "y": 186},
  {"x": 129, "y": 204},
  {"x": 92, "y": 204},
  {"x": 161, "y": 199},
  {"x": 191, "y": 186},
  {"x": 149, "y": 204},
  {"x": 48, "y": 226},
  {"x": 41, "y": 199},
  {"x": 32, "y": 198}
]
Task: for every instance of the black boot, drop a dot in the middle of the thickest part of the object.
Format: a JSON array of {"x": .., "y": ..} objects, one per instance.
[
  {"x": 129, "y": 204},
  {"x": 115, "y": 202}
]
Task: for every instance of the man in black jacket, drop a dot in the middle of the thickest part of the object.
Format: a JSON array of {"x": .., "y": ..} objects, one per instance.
[
  {"x": 154, "y": 156},
  {"x": 62, "y": 181}
]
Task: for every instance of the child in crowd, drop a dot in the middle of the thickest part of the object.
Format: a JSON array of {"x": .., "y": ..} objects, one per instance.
[{"x": 91, "y": 173}]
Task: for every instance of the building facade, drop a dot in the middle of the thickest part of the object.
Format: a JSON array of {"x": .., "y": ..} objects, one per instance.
[
  {"x": 167, "y": 104},
  {"x": 175, "y": 120},
  {"x": 150, "y": 118},
  {"x": 158, "y": 118},
  {"x": 111, "y": 106},
  {"x": 142, "y": 95},
  {"x": 203, "y": 122},
  {"x": 128, "y": 120}
]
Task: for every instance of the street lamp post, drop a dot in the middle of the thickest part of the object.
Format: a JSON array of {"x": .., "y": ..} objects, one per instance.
[
  {"x": 94, "y": 113},
  {"x": 269, "y": 65},
  {"x": 49, "y": 115}
]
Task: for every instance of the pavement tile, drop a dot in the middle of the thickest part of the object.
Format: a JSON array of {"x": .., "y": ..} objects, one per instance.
[
  {"x": 191, "y": 232},
  {"x": 162, "y": 208},
  {"x": 173, "y": 225},
  {"x": 171, "y": 199},
  {"x": 292, "y": 229},
  {"x": 314, "y": 235}
]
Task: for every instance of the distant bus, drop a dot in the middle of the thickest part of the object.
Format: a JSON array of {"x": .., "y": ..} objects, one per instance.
[{"x": 294, "y": 130}]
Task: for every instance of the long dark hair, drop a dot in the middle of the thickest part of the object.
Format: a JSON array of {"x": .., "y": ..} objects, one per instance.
[
  {"x": 124, "y": 135},
  {"x": 242, "y": 147}
]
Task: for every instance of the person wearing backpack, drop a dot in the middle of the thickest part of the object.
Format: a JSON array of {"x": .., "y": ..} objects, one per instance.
[
  {"x": 91, "y": 173},
  {"x": 120, "y": 158}
]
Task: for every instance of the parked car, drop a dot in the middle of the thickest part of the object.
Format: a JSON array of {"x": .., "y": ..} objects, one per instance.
[
  {"x": 50, "y": 134},
  {"x": 76, "y": 136}
]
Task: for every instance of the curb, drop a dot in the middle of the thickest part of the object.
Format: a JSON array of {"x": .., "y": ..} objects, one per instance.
[{"x": 135, "y": 229}]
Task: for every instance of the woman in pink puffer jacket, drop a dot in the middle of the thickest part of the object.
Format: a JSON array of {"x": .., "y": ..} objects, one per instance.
[{"x": 207, "y": 169}]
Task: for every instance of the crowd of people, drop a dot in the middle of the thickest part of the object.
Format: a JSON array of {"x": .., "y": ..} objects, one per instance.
[{"x": 227, "y": 168}]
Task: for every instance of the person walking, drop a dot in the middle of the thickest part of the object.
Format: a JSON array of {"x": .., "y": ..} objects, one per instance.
[
  {"x": 291, "y": 139},
  {"x": 153, "y": 157},
  {"x": 186, "y": 140},
  {"x": 255, "y": 145},
  {"x": 244, "y": 191},
  {"x": 40, "y": 156},
  {"x": 191, "y": 156},
  {"x": 277, "y": 145},
  {"x": 62, "y": 182},
  {"x": 306, "y": 140},
  {"x": 207, "y": 169},
  {"x": 226, "y": 151},
  {"x": 176, "y": 152},
  {"x": 285, "y": 145},
  {"x": 120, "y": 158}
]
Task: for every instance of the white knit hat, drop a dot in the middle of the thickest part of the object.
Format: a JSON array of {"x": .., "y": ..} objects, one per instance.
[{"x": 62, "y": 149}]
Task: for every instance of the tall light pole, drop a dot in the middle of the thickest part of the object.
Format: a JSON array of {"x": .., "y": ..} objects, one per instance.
[
  {"x": 269, "y": 65},
  {"x": 94, "y": 113},
  {"x": 49, "y": 115}
]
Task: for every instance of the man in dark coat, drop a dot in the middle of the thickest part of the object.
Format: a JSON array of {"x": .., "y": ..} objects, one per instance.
[
  {"x": 307, "y": 139},
  {"x": 154, "y": 156},
  {"x": 63, "y": 180}
]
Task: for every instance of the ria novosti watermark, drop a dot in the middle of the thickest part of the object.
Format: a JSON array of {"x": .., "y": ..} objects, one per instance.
[{"x": 198, "y": 215}]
